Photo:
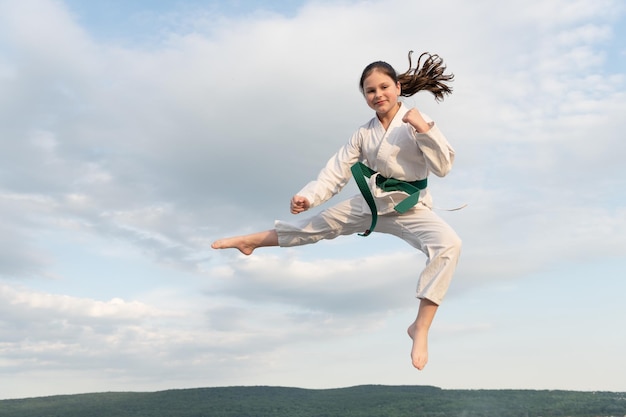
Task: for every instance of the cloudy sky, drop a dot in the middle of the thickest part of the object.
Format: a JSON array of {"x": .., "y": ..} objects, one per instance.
[{"x": 133, "y": 134}]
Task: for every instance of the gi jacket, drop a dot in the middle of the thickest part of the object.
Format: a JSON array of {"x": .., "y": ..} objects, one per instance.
[{"x": 399, "y": 152}]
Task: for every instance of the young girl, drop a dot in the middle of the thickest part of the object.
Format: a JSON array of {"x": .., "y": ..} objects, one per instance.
[{"x": 390, "y": 157}]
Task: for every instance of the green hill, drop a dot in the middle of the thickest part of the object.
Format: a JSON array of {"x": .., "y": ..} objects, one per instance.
[{"x": 361, "y": 401}]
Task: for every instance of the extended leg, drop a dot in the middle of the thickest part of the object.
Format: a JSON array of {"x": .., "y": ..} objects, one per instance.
[
  {"x": 418, "y": 331},
  {"x": 248, "y": 243},
  {"x": 344, "y": 218}
]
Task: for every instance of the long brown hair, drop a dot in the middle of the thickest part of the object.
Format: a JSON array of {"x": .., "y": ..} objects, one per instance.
[{"x": 427, "y": 75}]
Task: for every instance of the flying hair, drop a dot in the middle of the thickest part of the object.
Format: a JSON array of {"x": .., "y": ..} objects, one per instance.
[{"x": 427, "y": 75}]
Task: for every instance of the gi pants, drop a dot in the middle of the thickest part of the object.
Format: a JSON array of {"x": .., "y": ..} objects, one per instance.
[{"x": 420, "y": 227}]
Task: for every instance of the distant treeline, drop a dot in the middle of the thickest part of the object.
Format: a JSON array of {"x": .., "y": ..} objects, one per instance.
[{"x": 360, "y": 401}]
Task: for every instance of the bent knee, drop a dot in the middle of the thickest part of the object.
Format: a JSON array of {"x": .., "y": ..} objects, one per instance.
[
  {"x": 450, "y": 247},
  {"x": 456, "y": 243}
]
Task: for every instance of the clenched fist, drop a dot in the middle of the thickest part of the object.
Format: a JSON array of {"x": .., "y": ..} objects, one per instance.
[
  {"x": 415, "y": 119},
  {"x": 299, "y": 204}
]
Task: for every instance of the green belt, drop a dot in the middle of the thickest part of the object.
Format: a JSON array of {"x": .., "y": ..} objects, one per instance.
[{"x": 360, "y": 171}]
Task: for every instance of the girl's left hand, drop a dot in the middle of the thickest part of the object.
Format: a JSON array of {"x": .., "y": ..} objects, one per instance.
[{"x": 415, "y": 119}]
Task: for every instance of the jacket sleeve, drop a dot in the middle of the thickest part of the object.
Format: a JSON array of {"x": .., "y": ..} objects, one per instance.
[
  {"x": 438, "y": 153},
  {"x": 335, "y": 175}
]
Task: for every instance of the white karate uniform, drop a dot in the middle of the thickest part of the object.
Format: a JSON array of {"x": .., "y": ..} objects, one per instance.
[{"x": 399, "y": 152}]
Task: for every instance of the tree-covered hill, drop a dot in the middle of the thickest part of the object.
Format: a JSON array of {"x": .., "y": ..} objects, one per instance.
[{"x": 361, "y": 401}]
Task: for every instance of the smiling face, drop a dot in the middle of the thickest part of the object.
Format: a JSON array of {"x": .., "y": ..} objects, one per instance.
[{"x": 381, "y": 93}]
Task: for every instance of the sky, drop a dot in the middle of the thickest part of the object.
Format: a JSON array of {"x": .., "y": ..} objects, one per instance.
[{"x": 133, "y": 134}]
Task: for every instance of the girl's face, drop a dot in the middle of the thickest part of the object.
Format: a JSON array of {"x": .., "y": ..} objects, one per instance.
[{"x": 381, "y": 93}]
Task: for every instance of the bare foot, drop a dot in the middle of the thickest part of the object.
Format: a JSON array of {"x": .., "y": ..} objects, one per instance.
[
  {"x": 238, "y": 242},
  {"x": 248, "y": 243},
  {"x": 419, "y": 351}
]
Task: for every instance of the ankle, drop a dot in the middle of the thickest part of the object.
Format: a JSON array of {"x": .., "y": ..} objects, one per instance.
[{"x": 421, "y": 327}]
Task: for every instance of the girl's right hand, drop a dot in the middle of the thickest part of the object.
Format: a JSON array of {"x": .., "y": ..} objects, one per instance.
[{"x": 299, "y": 204}]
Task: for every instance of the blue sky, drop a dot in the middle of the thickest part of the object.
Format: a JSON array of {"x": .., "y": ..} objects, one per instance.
[
  {"x": 144, "y": 22},
  {"x": 133, "y": 134}
]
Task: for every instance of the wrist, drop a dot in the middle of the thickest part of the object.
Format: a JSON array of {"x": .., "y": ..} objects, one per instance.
[{"x": 422, "y": 126}]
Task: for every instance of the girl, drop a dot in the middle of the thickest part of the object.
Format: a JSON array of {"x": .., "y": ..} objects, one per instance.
[{"x": 390, "y": 157}]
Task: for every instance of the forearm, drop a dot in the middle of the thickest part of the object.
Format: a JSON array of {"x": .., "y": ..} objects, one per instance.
[{"x": 438, "y": 153}]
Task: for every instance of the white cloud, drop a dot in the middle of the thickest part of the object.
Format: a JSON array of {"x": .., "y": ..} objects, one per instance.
[
  {"x": 369, "y": 285},
  {"x": 66, "y": 306}
]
